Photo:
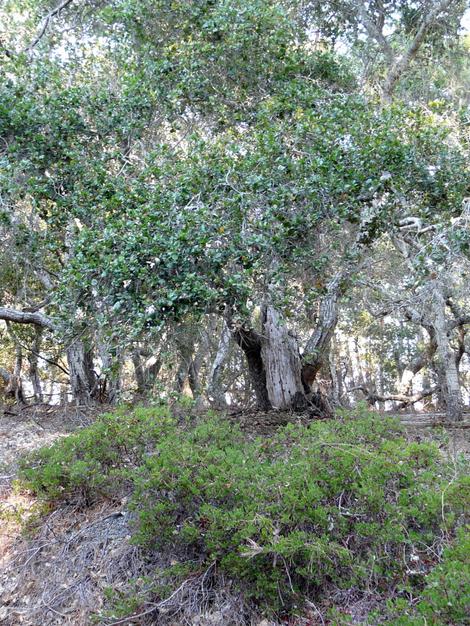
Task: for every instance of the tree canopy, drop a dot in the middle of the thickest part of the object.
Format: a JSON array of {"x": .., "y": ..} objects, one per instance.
[{"x": 187, "y": 169}]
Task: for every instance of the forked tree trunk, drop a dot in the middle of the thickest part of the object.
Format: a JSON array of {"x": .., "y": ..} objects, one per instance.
[
  {"x": 280, "y": 355},
  {"x": 250, "y": 342},
  {"x": 273, "y": 363},
  {"x": 318, "y": 346}
]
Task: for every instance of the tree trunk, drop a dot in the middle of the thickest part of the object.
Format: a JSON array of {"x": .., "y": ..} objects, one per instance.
[
  {"x": 139, "y": 372},
  {"x": 318, "y": 345},
  {"x": 280, "y": 355},
  {"x": 185, "y": 343},
  {"x": 446, "y": 356},
  {"x": 83, "y": 381},
  {"x": 15, "y": 385},
  {"x": 250, "y": 342},
  {"x": 215, "y": 391},
  {"x": 145, "y": 372},
  {"x": 273, "y": 363},
  {"x": 33, "y": 366},
  {"x": 111, "y": 368}
]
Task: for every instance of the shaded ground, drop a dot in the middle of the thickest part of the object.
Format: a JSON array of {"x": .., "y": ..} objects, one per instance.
[{"x": 59, "y": 573}]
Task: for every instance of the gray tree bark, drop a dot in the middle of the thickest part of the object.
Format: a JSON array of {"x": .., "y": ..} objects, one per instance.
[
  {"x": 250, "y": 342},
  {"x": 280, "y": 355},
  {"x": 15, "y": 384},
  {"x": 215, "y": 391},
  {"x": 83, "y": 381},
  {"x": 111, "y": 366},
  {"x": 317, "y": 347},
  {"x": 145, "y": 372},
  {"x": 33, "y": 365},
  {"x": 446, "y": 355}
]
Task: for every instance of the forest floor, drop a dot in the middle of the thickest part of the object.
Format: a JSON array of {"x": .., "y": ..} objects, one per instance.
[{"x": 56, "y": 571}]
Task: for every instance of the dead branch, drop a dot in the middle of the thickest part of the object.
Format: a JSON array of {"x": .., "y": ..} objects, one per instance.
[{"x": 398, "y": 397}]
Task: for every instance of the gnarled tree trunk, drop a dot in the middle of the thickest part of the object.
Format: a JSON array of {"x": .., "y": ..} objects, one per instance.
[
  {"x": 280, "y": 355},
  {"x": 250, "y": 342},
  {"x": 317, "y": 347},
  {"x": 273, "y": 362}
]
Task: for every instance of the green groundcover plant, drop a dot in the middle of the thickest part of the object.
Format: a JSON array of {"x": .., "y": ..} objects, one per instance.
[{"x": 335, "y": 504}]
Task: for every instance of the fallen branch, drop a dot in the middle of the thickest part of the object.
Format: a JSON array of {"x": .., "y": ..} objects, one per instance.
[{"x": 398, "y": 397}]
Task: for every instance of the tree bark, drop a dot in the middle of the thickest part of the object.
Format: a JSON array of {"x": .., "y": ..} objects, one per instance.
[
  {"x": 33, "y": 365},
  {"x": 24, "y": 317},
  {"x": 317, "y": 347},
  {"x": 215, "y": 391},
  {"x": 446, "y": 356},
  {"x": 280, "y": 355},
  {"x": 111, "y": 368},
  {"x": 145, "y": 372},
  {"x": 250, "y": 342},
  {"x": 83, "y": 381},
  {"x": 15, "y": 384}
]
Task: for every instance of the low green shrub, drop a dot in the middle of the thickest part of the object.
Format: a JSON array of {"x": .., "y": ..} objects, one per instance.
[
  {"x": 445, "y": 598},
  {"x": 344, "y": 503},
  {"x": 95, "y": 461}
]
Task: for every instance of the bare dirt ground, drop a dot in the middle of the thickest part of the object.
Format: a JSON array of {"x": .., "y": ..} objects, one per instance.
[
  {"x": 57, "y": 573},
  {"x": 60, "y": 563}
]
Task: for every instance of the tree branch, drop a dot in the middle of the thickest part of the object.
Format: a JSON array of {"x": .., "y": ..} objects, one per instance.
[
  {"x": 404, "y": 62},
  {"x": 24, "y": 317},
  {"x": 375, "y": 30},
  {"x": 45, "y": 24},
  {"x": 372, "y": 397}
]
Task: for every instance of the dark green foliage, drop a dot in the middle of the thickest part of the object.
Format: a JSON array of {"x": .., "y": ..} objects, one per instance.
[
  {"x": 445, "y": 598},
  {"x": 346, "y": 503},
  {"x": 96, "y": 461}
]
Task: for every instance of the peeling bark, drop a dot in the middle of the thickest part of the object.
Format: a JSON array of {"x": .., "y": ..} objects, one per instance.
[{"x": 280, "y": 355}]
